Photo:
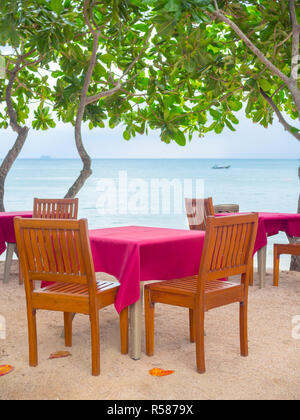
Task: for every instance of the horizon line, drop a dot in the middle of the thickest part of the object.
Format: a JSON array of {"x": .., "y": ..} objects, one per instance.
[{"x": 154, "y": 158}]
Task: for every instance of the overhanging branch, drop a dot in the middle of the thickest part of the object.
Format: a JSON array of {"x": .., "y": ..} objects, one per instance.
[{"x": 282, "y": 121}]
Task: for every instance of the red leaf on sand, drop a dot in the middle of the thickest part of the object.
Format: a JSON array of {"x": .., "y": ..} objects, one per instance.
[
  {"x": 160, "y": 372},
  {"x": 5, "y": 369},
  {"x": 59, "y": 354}
]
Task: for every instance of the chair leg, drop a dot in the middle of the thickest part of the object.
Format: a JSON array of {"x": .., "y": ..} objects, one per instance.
[
  {"x": 32, "y": 337},
  {"x": 192, "y": 325},
  {"x": 276, "y": 267},
  {"x": 199, "y": 335},
  {"x": 149, "y": 322},
  {"x": 8, "y": 260},
  {"x": 68, "y": 328},
  {"x": 243, "y": 329},
  {"x": 95, "y": 342},
  {"x": 251, "y": 274},
  {"x": 124, "y": 330},
  {"x": 21, "y": 280}
]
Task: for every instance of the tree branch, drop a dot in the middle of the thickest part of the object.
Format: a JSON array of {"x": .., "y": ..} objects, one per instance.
[
  {"x": 285, "y": 124},
  {"x": 295, "y": 41},
  {"x": 138, "y": 56},
  {"x": 110, "y": 92},
  {"x": 250, "y": 45},
  {"x": 118, "y": 84},
  {"x": 86, "y": 17}
]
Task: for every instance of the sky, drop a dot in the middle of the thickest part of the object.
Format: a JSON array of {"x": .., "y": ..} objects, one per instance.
[{"x": 249, "y": 141}]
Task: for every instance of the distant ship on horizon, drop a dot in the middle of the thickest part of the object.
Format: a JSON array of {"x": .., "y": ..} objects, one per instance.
[
  {"x": 221, "y": 167},
  {"x": 45, "y": 157}
]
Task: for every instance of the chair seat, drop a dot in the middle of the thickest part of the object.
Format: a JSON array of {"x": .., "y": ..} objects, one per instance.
[
  {"x": 293, "y": 249},
  {"x": 186, "y": 288},
  {"x": 77, "y": 289},
  {"x": 278, "y": 249},
  {"x": 58, "y": 294}
]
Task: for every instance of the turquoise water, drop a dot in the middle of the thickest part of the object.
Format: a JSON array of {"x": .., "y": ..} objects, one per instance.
[{"x": 256, "y": 185}]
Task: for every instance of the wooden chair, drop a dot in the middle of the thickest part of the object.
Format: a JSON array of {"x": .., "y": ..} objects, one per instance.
[
  {"x": 55, "y": 208},
  {"x": 291, "y": 249},
  {"x": 227, "y": 251},
  {"x": 197, "y": 211},
  {"x": 59, "y": 251},
  {"x": 64, "y": 208}
]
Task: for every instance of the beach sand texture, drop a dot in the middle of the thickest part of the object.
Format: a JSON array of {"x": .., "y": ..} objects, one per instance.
[{"x": 271, "y": 371}]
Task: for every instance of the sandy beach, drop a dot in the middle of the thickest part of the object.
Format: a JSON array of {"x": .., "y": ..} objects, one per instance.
[{"x": 271, "y": 371}]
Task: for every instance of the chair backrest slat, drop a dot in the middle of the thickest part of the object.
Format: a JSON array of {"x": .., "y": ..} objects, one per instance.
[
  {"x": 55, "y": 250},
  {"x": 55, "y": 208},
  {"x": 197, "y": 210},
  {"x": 228, "y": 247}
]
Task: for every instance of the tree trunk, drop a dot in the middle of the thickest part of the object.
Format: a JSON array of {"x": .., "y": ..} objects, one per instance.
[
  {"x": 84, "y": 156},
  {"x": 9, "y": 161},
  {"x": 295, "y": 260},
  {"x": 22, "y": 132},
  {"x": 86, "y": 170}
]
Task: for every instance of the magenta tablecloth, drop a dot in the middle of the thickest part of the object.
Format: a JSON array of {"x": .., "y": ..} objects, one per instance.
[
  {"x": 7, "y": 231},
  {"x": 133, "y": 254}
]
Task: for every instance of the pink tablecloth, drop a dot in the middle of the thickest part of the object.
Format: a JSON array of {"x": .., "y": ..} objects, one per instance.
[
  {"x": 7, "y": 231},
  {"x": 133, "y": 254}
]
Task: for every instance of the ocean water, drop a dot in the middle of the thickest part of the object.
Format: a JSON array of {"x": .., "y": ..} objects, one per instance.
[{"x": 129, "y": 191}]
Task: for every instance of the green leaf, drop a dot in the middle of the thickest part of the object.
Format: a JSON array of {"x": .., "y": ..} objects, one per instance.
[
  {"x": 57, "y": 6},
  {"x": 229, "y": 125},
  {"x": 2, "y": 67},
  {"x": 266, "y": 86},
  {"x": 179, "y": 137},
  {"x": 106, "y": 58},
  {"x": 219, "y": 128},
  {"x": 232, "y": 118},
  {"x": 126, "y": 135},
  {"x": 172, "y": 6},
  {"x": 235, "y": 105},
  {"x": 258, "y": 115}
]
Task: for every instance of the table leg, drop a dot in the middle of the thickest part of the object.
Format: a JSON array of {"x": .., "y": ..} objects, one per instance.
[
  {"x": 261, "y": 262},
  {"x": 11, "y": 248},
  {"x": 136, "y": 317}
]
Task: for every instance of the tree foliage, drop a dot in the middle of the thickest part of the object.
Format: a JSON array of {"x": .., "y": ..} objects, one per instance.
[
  {"x": 208, "y": 67},
  {"x": 178, "y": 66},
  {"x": 30, "y": 35}
]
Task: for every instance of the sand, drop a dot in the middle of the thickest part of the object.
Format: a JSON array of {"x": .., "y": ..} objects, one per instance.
[{"x": 271, "y": 371}]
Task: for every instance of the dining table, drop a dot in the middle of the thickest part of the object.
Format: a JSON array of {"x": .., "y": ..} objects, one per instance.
[
  {"x": 7, "y": 237},
  {"x": 270, "y": 224},
  {"x": 135, "y": 254}
]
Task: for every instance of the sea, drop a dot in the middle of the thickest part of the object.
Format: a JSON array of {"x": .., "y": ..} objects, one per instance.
[{"x": 151, "y": 192}]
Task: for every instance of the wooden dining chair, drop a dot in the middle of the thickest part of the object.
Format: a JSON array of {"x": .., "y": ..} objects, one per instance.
[
  {"x": 59, "y": 251},
  {"x": 227, "y": 251},
  {"x": 58, "y": 208},
  {"x": 197, "y": 211},
  {"x": 55, "y": 208},
  {"x": 278, "y": 249}
]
